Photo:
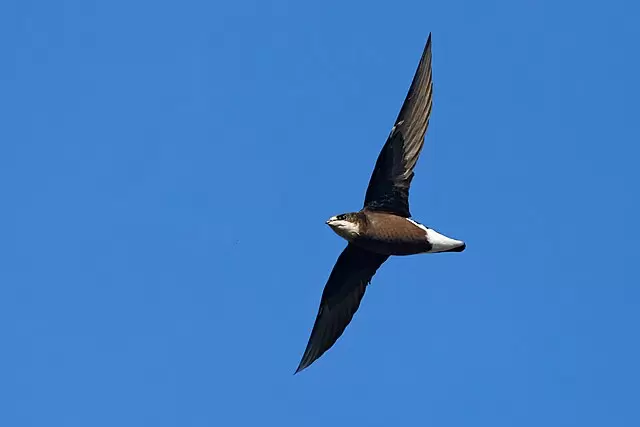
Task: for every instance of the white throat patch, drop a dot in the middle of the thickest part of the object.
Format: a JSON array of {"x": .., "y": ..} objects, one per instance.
[{"x": 345, "y": 229}]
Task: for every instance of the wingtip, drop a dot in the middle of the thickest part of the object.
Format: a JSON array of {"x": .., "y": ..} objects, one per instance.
[
  {"x": 301, "y": 367},
  {"x": 427, "y": 45}
]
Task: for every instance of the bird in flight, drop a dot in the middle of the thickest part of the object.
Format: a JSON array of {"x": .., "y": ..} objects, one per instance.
[{"x": 383, "y": 227}]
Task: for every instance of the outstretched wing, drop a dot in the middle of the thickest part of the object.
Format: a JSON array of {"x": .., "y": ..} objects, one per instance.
[
  {"x": 340, "y": 299},
  {"x": 389, "y": 185}
]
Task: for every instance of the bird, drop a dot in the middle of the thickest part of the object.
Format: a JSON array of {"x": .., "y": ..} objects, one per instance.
[{"x": 384, "y": 226}]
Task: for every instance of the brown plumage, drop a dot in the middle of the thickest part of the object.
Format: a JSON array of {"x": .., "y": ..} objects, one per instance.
[
  {"x": 390, "y": 234},
  {"x": 382, "y": 227}
]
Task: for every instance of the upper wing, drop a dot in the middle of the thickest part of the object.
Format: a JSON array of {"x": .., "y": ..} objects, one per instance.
[
  {"x": 389, "y": 185},
  {"x": 340, "y": 299}
]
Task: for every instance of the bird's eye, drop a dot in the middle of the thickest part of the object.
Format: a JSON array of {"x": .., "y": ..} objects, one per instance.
[{"x": 340, "y": 217}]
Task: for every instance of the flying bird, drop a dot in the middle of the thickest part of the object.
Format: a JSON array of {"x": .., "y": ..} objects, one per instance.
[{"x": 383, "y": 227}]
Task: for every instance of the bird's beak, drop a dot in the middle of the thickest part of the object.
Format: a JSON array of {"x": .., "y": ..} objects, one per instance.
[{"x": 330, "y": 220}]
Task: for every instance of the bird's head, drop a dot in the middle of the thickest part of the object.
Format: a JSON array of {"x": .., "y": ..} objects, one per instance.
[{"x": 347, "y": 226}]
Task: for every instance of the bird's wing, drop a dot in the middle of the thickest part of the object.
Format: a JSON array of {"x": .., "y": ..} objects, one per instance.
[
  {"x": 340, "y": 299},
  {"x": 388, "y": 189}
]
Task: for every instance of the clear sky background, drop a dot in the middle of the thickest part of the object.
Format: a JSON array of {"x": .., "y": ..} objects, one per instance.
[{"x": 166, "y": 169}]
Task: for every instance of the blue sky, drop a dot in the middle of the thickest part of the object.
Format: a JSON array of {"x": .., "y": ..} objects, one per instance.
[{"x": 166, "y": 169}]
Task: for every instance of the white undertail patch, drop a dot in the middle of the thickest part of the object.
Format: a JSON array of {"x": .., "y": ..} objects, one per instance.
[
  {"x": 417, "y": 224},
  {"x": 439, "y": 242}
]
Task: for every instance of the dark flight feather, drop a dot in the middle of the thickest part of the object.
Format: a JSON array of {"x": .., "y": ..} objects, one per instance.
[
  {"x": 388, "y": 189},
  {"x": 340, "y": 299}
]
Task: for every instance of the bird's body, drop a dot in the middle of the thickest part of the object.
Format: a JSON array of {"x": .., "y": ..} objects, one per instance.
[
  {"x": 383, "y": 227},
  {"x": 390, "y": 234}
]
